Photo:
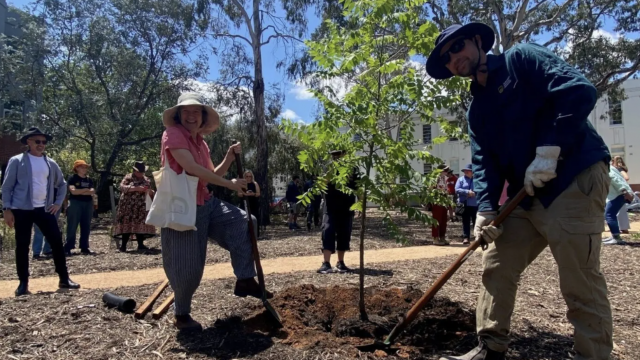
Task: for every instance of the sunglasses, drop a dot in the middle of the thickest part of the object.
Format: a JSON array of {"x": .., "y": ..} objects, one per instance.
[
  {"x": 38, "y": 142},
  {"x": 455, "y": 48}
]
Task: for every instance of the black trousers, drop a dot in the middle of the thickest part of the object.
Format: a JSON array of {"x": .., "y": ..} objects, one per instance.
[
  {"x": 313, "y": 213},
  {"x": 336, "y": 228},
  {"x": 49, "y": 226}
]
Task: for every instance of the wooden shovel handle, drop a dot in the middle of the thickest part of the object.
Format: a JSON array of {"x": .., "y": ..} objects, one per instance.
[
  {"x": 144, "y": 308},
  {"x": 433, "y": 290},
  {"x": 252, "y": 234}
]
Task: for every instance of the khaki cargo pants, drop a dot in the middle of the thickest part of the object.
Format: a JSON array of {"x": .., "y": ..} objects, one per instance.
[{"x": 572, "y": 227}]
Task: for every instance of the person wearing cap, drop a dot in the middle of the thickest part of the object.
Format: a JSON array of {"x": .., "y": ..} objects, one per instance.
[
  {"x": 528, "y": 125},
  {"x": 337, "y": 222},
  {"x": 80, "y": 209},
  {"x": 184, "y": 252},
  {"x": 467, "y": 198},
  {"x": 132, "y": 210},
  {"x": 439, "y": 212},
  {"x": 28, "y": 189}
]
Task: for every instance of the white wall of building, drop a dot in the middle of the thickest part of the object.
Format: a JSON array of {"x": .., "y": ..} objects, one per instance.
[{"x": 622, "y": 139}]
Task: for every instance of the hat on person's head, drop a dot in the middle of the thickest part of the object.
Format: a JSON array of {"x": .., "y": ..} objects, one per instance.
[
  {"x": 140, "y": 166},
  {"x": 443, "y": 167},
  {"x": 34, "y": 131},
  {"x": 79, "y": 163},
  {"x": 435, "y": 66},
  {"x": 468, "y": 167},
  {"x": 209, "y": 125}
]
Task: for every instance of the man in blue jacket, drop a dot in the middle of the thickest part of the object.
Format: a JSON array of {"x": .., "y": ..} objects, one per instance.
[
  {"x": 528, "y": 124},
  {"x": 28, "y": 190}
]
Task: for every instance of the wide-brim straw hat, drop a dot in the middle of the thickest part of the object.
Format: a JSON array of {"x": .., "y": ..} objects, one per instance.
[{"x": 210, "y": 125}]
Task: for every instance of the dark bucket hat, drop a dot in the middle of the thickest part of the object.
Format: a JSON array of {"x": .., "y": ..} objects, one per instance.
[
  {"x": 140, "y": 166},
  {"x": 435, "y": 66},
  {"x": 33, "y": 132},
  {"x": 468, "y": 167}
]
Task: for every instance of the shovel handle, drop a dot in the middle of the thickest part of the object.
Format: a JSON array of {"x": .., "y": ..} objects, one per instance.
[
  {"x": 433, "y": 290},
  {"x": 252, "y": 234}
]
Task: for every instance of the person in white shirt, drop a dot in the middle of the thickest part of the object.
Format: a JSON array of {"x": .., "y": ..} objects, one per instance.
[{"x": 31, "y": 180}]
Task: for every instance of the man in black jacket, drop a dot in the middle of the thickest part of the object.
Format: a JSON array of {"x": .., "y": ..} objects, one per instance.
[{"x": 337, "y": 222}]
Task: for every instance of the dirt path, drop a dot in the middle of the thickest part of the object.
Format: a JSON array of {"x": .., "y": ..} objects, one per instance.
[{"x": 218, "y": 271}]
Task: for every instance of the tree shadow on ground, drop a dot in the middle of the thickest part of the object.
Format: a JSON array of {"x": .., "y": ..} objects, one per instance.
[
  {"x": 225, "y": 340},
  {"x": 372, "y": 272}
]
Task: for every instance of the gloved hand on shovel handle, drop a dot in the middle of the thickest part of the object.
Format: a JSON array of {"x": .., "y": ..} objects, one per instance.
[
  {"x": 485, "y": 232},
  {"x": 542, "y": 169}
]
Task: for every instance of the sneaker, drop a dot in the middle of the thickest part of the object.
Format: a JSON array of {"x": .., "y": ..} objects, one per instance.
[
  {"x": 341, "y": 267},
  {"x": 440, "y": 242},
  {"x": 611, "y": 241},
  {"x": 87, "y": 252},
  {"x": 325, "y": 268},
  {"x": 481, "y": 352}
]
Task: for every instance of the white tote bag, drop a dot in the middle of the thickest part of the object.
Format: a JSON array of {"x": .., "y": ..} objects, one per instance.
[{"x": 174, "y": 205}]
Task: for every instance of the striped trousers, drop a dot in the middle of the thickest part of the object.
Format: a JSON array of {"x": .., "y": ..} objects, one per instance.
[{"x": 184, "y": 252}]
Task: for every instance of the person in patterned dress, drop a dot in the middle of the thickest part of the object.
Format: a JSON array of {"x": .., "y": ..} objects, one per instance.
[{"x": 132, "y": 211}]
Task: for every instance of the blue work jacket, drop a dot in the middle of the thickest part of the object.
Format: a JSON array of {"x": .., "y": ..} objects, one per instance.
[{"x": 532, "y": 98}]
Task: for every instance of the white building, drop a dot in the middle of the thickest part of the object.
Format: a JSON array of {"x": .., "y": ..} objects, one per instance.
[{"x": 621, "y": 133}]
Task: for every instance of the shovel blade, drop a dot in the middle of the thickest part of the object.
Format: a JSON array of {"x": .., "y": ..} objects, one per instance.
[{"x": 272, "y": 311}]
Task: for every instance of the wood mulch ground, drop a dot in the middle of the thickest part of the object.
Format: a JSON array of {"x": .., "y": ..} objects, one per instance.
[
  {"x": 75, "y": 325},
  {"x": 278, "y": 241}
]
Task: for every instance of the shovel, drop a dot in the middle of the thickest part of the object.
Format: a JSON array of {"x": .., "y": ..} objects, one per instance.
[
  {"x": 433, "y": 290},
  {"x": 256, "y": 253}
]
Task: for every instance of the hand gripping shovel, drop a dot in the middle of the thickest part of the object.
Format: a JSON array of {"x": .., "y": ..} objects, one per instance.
[
  {"x": 433, "y": 290},
  {"x": 256, "y": 254}
]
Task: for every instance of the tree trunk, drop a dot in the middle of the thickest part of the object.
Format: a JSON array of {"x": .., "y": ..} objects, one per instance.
[
  {"x": 262, "y": 171},
  {"x": 363, "y": 218}
]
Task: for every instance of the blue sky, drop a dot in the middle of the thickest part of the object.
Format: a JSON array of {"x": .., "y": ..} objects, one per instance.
[{"x": 299, "y": 105}]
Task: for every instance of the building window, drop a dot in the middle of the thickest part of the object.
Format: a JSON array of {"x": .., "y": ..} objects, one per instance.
[
  {"x": 403, "y": 180},
  {"x": 426, "y": 134},
  {"x": 455, "y": 166},
  {"x": 427, "y": 168},
  {"x": 615, "y": 111}
]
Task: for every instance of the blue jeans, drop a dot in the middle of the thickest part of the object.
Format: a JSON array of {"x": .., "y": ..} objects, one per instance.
[
  {"x": 38, "y": 239},
  {"x": 611, "y": 214},
  {"x": 78, "y": 213}
]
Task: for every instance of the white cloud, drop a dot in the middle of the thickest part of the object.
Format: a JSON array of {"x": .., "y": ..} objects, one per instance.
[
  {"x": 599, "y": 33},
  {"x": 291, "y": 115},
  {"x": 300, "y": 91}
]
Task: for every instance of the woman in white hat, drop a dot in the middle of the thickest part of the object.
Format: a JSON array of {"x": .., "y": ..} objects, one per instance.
[{"x": 184, "y": 252}]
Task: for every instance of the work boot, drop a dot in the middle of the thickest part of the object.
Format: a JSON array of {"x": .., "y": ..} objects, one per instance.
[
  {"x": 68, "y": 284},
  {"x": 481, "y": 352},
  {"x": 23, "y": 288},
  {"x": 325, "y": 268},
  {"x": 250, "y": 287},
  {"x": 341, "y": 267},
  {"x": 186, "y": 324}
]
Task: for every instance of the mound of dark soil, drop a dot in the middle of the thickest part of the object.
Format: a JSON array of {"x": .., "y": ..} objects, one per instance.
[{"x": 316, "y": 317}]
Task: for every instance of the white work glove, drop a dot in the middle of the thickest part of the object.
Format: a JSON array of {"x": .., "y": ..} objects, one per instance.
[
  {"x": 542, "y": 169},
  {"x": 483, "y": 231}
]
